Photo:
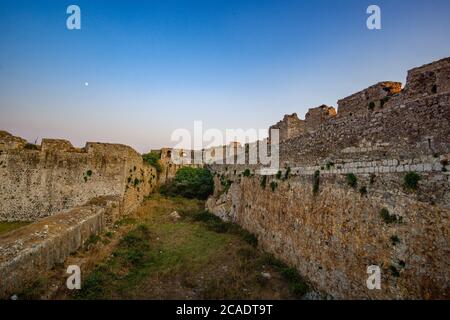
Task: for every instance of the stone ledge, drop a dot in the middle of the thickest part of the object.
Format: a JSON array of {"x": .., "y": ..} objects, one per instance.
[{"x": 36, "y": 248}]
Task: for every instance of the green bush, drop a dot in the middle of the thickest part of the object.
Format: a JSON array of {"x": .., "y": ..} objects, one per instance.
[
  {"x": 389, "y": 218},
  {"x": 395, "y": 240},
  {"x": 246, "y": 173},
  {"x": 190, "y": 183},
  {"x": 434, "y": 89},
  {"x": 394, "y": 271},
  {"x": 152, "y": 159},
  {"x": 363, "y": 190},
  {"x": 316, "y": 182},
  {"x": 371, "y": 105},
  {"x": 273, "y": 186},
  {"x": 31, "y": 146},
  {"x": 278, "y": 176},
  {"x": 263, "y": 182},
  {"x": 383, "y": 101},
  {"x": 226, "y": 183},
  {"x": 352, "y": 181},
  {"x": 287, "y": 173},
  {"x": 444, "y": 164},
  {"x": 411, "y": 180},
  {"x": 329, "y": 164}
]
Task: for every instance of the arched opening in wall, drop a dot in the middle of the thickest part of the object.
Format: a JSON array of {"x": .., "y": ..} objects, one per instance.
[{"x": 169, "y": 153}]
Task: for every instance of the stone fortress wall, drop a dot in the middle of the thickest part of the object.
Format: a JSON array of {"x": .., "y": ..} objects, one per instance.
[
  {"x": 331, "y": 231},
  {"x": 38, "y": 181},
  {"x": 70, "y": 194}
]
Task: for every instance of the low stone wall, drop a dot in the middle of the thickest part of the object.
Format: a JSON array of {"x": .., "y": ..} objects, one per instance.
[
  {"x": 332, "y": 236},
  {"x": 27, "y": 252}
]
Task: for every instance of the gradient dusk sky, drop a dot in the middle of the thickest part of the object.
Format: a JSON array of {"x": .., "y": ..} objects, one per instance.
[{"x": 155, "y": 66}]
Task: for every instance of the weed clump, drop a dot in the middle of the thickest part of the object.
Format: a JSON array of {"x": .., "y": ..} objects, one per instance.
[
  {"x": 411, "y": 180},
  {"x": 352, "y": 181},
  {"x": 263, "y": 182},
  {"x": 316, "y": 182},
  {"x": 389, "y": 218}
]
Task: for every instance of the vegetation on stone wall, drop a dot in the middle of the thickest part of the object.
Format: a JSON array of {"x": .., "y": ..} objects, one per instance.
[
  {"x": 190, "y": 183},
  {"x": 263, "y": 181},
  {"x": 287, "y": 173},
  {"x": 363, "y": 190},
  {"x": 246, "y": 173},
  {"x": 152, "y": 158},
  {"x": 444, "y": 164},
  {"x": 31, "y": 146},
  {"x": 273, "y": 185},
  {"x": 226, "y": 183},
  {"x": 352, "y": 181},
  {"x": 411, "y": 180},
  {"x": 389, "y": 218},
  {"x": 316, "y": 182},
  {"x": 395, "y": 240}
]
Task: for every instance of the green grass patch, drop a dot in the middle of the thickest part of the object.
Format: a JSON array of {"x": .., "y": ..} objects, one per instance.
[{"x": 9, "y": 226}]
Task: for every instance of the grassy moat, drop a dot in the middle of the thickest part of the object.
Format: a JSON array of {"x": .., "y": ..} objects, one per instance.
[
  {"x": 156, "y": 254},
  {"x": 9, "y": 226}
]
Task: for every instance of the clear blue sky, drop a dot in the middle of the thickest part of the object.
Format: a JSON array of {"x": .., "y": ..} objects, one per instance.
[{"x": 155, "y": 66}]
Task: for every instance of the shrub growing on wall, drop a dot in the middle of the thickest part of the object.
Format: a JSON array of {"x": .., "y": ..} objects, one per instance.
[
  {"x": 352, "y": 181},
  {"x": 411, "y": 180},
  {"x": 190, "y": 183},
  {"x": 152, "y": 159}
]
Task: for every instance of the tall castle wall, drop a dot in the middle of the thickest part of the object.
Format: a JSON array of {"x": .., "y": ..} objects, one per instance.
[{"x": 331, "y": 231}]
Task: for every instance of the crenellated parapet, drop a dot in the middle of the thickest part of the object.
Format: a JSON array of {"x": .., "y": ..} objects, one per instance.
[
  {"x": 430, "y": 79},
  {"x": 368, "y": 99},
  {"x": 316, "y": 116},
  {"x": 291, "y": 126},
  {"x": 10, "y": 142}
]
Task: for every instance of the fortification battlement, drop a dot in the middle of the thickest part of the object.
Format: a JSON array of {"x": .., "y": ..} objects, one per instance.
[
  {"x": 428, "y": 80},
  {"x": 9, "y": 143},
  {"x": 369, "y": 98}
]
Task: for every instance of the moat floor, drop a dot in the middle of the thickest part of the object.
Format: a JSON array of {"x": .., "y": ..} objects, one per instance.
[
  {"x": 9, "y": 226},
  {"x": 156, "y": 254}
]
